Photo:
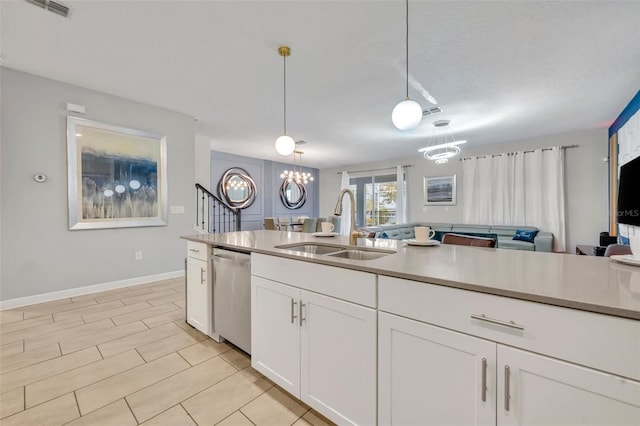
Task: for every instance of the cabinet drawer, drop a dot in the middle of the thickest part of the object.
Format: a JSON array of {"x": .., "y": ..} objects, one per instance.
[
  {"x": 346, "y": 284},
  {"x": 197, "y": 250},
  {"x": 599, "y": 341}
]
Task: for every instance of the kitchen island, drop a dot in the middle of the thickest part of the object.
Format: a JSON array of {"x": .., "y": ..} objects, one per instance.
[{"x": 444, "y": 334}]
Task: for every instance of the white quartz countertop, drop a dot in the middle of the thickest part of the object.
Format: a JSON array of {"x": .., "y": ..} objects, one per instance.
[{"x": 589, "y": 283}]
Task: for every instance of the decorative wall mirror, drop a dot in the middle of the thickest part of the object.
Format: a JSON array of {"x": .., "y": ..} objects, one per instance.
[
  {"x": 236, "y": 188},
  {"x": 293, "y": 194}
]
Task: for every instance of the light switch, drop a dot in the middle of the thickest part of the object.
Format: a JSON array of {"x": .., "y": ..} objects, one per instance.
[{"x": 177, "y": 209}]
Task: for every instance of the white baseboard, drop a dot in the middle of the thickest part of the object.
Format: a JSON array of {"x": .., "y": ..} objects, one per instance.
[{"x": 79, "y": 291}]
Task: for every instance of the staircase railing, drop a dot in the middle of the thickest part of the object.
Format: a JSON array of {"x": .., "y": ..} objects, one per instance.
[{"x": 213, "y": 215}]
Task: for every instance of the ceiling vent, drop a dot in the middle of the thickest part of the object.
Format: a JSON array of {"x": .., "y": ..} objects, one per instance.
[
  {"x": 51, "y": 6},
  {"x": 432, "y": 110}
]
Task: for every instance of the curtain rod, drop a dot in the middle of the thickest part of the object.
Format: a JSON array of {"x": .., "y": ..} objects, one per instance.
[
  {"x": 514, "y": 152},
  {"x": 375, "y": 170}
]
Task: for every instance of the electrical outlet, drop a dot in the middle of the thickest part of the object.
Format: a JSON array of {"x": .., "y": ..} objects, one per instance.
[{"x": 138, "y": 255}]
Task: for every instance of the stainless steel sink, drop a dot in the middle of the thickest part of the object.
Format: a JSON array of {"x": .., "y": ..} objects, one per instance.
[
  {"x": 343, "y": 252},
  {"x": 312, "y": 248},
  {"x": 359, "y": 254}
]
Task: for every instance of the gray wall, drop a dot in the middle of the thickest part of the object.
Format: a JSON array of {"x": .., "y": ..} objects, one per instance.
[
  {"x": 39, "y": 253},
  {"x": 266, "y": 175},
  {"x": 586, "y": 189}
]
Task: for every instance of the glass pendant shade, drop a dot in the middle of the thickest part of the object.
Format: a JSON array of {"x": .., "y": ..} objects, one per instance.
[
  {"x": 285, "y": 145},
  {"x": 407, "y": 115}
]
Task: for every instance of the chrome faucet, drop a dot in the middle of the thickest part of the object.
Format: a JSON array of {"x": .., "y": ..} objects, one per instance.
[{"x": 353, "y": 235}]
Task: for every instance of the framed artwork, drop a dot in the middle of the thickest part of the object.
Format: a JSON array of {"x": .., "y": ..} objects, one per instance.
[
  {"x": 117, "y": 177},
  {"x": 440, "y": 191}
]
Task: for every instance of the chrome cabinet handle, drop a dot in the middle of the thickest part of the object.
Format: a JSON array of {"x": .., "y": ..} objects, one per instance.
[
  {"x": 293, "y": 315},
  {"x": 302, "y": 305},
  {"x": 510, "y": 324},
  {"x": 484, "y": 379},
  {"x": 201, "y": 276},
  {"x": 507, "y": 396},
  {"x": 194, "y": 250}
]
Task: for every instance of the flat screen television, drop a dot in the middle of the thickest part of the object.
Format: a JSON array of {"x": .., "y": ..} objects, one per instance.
[{"x": 629, "y": 193}]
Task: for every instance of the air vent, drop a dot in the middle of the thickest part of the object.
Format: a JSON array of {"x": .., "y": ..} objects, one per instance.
[
  {"x": 432, "y": 110},
  {"x": 441, "y": 123},
  {"x": 51, "y": 6}
]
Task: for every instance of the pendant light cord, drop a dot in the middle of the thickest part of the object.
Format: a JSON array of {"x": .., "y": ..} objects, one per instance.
[
  {"x": 406, "y": 44},
  {"x": 284, "y": 101}
]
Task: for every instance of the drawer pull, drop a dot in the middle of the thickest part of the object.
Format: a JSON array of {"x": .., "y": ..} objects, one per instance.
[
  {"x": 484, "y": 379},
  {"x": 194, "y": 250},
  {"x": 511, "y": 324},
  {"x": 507, "y": 373},
  {"x": 293, "y": 315}
]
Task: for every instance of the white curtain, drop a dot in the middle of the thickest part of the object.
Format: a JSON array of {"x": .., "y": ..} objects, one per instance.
[
  {"x": 522, "y": 188},
  {"x": 345, "y": 223},
  {"x": 401, "y": 199}
]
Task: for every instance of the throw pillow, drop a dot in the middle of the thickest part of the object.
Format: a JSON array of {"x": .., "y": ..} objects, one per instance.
[
  {"x": 527, "y": 236},
  {"x": 366, "y": 234}
]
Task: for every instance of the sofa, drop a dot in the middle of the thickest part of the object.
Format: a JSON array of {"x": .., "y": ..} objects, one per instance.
[{"x": 503, "y": 235}]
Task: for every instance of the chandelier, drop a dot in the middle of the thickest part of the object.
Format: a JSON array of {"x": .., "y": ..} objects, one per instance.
[
  {"x": 297, "y": 175},
  {"x": 443, "y": 145}
]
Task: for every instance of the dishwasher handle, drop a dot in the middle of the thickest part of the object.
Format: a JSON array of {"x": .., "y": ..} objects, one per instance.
[{"x": 228, "y": 261}]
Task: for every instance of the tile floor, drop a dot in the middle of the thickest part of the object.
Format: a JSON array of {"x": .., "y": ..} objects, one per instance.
[{"x": 127, "y": 357}]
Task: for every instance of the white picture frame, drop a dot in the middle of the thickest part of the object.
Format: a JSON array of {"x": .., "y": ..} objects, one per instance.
[
  {"x": 116, "y": 176},
  {"x": 440, "y": 190}
]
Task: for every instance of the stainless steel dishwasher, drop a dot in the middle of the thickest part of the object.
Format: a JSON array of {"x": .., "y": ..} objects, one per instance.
[{"x": 232, "y": 297}]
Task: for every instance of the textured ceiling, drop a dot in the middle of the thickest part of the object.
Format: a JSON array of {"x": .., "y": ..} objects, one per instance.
[{"x": 501, "y": 70}]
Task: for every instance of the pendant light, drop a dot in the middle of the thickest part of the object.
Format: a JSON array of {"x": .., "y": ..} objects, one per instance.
[
  {"x": 297, "y": 176},
  {"x": 442, "y": 145},
  {"x": 285, "y": 145},
  {"x": 407, "y": 114}
]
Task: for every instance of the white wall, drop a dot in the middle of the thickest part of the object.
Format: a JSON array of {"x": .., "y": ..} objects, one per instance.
[
  {"x": 39, "y": 253},
  {"x": 202, "y": 166},
  {"x": 586, "y": 177}
]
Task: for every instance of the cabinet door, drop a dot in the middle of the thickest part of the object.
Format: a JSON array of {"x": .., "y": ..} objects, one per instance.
[
  {"x": 275, "y": 333},
  {"x": 546, "y": 391},
  {"x": 433, "y": 376},
  {"x": 338, "y": 352},
  {"x": 199, "y": 299}
]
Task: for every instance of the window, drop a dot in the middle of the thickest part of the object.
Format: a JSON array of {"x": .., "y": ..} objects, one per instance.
[{"x": 375, "y": 199}]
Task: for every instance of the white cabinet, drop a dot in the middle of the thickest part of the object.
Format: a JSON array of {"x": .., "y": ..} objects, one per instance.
[
  {"x": 432, "y": 376},
  {"x": 318, "y": 348},
  {"x": 275, "y": 333},
  {"x": 545, "y": 365},
  {"x": 547, "y": 391},
  {"x": 199, "y": 298},
  {"x": 338, "y": 358}
]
